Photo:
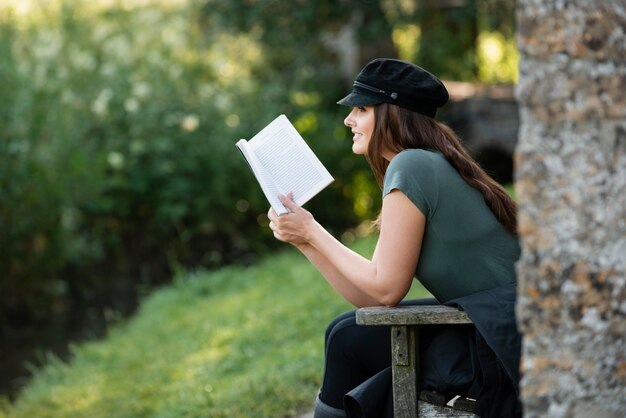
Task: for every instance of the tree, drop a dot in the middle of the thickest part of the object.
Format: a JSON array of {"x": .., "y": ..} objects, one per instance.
[{"x": 571, "y": 185}]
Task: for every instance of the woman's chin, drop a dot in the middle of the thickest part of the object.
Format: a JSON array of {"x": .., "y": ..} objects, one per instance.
[{"x": 357, "y": 149}]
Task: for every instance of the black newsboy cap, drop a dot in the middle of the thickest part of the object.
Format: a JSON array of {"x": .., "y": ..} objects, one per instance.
[{"x": 397, "y": 82}]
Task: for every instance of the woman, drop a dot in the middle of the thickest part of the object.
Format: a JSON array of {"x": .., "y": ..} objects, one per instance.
[{"x": 443, "y": 220}]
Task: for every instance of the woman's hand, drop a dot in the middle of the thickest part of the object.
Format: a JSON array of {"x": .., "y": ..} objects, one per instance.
[{"x": 295, "y": 227}]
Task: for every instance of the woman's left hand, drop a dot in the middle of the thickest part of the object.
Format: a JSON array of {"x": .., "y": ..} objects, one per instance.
[{"x": 294, "y": 227}]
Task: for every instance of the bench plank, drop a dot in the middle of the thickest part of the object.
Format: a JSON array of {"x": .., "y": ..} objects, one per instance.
[
  {"x": 404, "y": 372},
  {"x": 405, "y": 322},
  {"x": 411, "y": 315},
  {"x": 433, "y": 411}
]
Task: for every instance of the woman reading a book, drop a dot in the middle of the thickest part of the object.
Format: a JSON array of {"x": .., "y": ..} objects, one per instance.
[{"x": 444, "y": 221}]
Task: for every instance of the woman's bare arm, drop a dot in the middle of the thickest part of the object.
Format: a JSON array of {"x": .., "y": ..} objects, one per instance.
[{"x": 386, "y": 278}]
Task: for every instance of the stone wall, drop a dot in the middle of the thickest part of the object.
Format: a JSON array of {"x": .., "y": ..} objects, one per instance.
[
  {"x": 487, "y": 119},
  {"x": 571, "y": 184}
]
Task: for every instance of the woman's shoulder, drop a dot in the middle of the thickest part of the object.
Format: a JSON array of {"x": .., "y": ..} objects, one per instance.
[
  {"x": 413, "y": 167},
  {"x": 416, "y": 157},
  {"x": 417, "y": 154}
]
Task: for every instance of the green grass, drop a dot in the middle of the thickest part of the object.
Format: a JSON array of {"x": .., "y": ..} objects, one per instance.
[{"x": 238, "y": 342}]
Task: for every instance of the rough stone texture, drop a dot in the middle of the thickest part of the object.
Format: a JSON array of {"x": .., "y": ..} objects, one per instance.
[
  {"x": 571, "y": 185},
  {"x": 486, "y": 116}
]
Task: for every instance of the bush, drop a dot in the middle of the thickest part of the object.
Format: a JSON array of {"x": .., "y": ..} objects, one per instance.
[
  {"x": 118, "y": 124},
  {"x": 117, "y": 157}
]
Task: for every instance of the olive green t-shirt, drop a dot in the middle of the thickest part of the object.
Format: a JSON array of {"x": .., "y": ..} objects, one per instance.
[{"x": 465, "y": 249}]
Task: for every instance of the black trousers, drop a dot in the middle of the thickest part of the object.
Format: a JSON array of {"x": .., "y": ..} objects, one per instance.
[{"x": 354, "y": 353}]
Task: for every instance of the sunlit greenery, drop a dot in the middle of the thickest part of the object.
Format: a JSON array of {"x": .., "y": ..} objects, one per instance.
[
  {"x": 237, "y": 343},
  {"x": 406, "y": 38},
  {"x": 118, "y": 120},
  {"x": 498, "y": 58},
  {"x": 117, "y": 155}
]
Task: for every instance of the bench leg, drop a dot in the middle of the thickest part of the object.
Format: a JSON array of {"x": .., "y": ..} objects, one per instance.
[{"x": 404, "y": 369}]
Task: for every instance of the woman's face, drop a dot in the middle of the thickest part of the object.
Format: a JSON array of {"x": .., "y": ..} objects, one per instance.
[{"x": 361, "y": 122}]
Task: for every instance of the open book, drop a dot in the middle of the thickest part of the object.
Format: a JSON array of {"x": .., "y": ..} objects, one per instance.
[{"x": 283, "y": 163}]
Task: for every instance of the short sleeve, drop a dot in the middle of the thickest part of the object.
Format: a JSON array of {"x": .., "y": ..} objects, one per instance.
[{"x": 412, "y": 172}]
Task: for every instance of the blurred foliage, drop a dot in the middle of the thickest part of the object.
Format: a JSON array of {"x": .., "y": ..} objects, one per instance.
[
  {"x": 117, "y": 141},
  {"x": 498, "y": 58},
  {"x": 467, "y": 40},
  {"x": 455, "y": 28},
  {"x": 118, "y": 121}
]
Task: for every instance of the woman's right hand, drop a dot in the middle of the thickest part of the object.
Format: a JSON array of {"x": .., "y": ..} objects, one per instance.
[{"x": 295, "y": 227}]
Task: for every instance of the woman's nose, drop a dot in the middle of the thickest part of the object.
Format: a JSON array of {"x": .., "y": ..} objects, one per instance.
[{"x": 348, "y": 121}]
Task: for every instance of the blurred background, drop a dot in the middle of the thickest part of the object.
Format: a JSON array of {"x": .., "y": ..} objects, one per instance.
[{"x": 118, "y": 121}]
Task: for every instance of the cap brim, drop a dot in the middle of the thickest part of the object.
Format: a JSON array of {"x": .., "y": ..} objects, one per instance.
[{"x": 359, "y": 99}]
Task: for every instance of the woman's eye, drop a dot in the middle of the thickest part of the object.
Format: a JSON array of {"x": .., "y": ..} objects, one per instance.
[{"x": 362, "y": 108}]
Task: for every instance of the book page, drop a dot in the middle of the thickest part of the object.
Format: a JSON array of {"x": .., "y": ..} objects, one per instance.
[
  {"x": 281, "y": 157},
  {"x": 267, "y": 186},
  {"x": 288, "y": 161}
]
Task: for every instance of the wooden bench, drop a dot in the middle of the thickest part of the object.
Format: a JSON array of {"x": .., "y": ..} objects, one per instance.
[{"x": 405, "y": 322}]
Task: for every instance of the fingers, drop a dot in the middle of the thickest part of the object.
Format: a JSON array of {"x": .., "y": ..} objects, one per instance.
[
  {"x": 274, "y": 224},
  {"x": 277, "y": 233},
  {"x": 288, "y": 202},
  {"x": 290, "y": 227}
]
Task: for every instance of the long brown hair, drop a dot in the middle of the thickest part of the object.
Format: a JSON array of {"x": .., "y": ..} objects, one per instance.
[{"x": 397, "y": 129}]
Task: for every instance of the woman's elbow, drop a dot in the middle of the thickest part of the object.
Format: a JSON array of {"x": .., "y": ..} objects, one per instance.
[
  {"x": 390, "y": 291},
  {"x": 391, "y": 299}
]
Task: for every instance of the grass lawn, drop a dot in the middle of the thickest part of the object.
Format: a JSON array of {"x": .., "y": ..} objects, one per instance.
[{"x": 238, "y": 342}]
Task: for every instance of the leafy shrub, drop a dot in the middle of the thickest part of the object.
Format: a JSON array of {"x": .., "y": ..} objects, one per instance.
[
  {"x": 117, "y": 129},
  {"x": 117, "y": 157}
]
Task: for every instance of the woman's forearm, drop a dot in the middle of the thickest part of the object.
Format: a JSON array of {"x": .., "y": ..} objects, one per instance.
[
  {"x": 352, "y": 275},
  {"x": 335, "y": 278},
  {"x": 386, "y": 278}
]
